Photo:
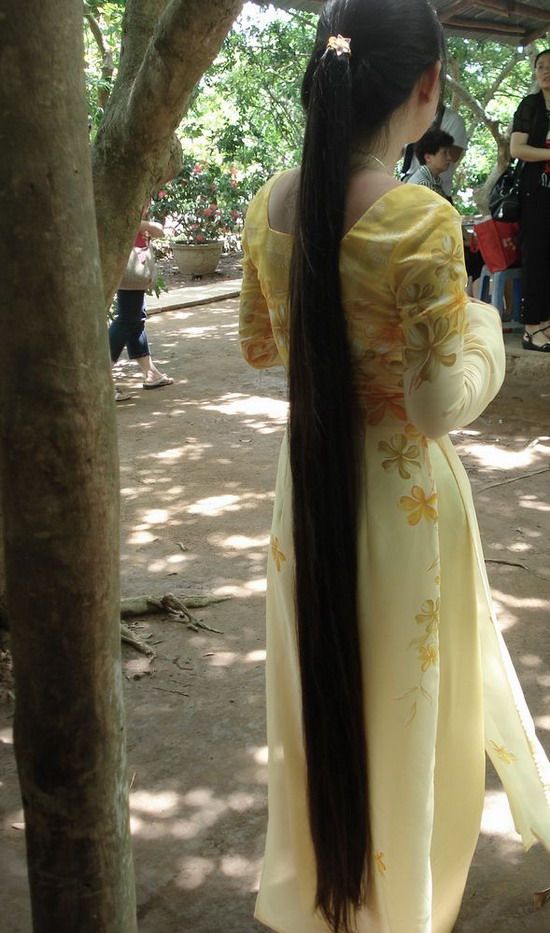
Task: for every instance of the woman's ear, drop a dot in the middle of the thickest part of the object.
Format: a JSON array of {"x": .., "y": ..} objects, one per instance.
[{"x": 429, "y": 83}]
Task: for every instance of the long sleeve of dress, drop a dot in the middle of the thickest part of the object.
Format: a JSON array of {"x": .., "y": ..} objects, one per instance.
[
  {"x": 454, "y": 353},
  {"x": 258, "y": 345}
]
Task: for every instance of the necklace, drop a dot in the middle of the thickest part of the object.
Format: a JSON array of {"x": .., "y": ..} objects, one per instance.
[{"x": 363, "y": 158}]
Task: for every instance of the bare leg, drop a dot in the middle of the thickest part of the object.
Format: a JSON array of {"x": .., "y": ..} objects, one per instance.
[{"x": 152, "y": 376}]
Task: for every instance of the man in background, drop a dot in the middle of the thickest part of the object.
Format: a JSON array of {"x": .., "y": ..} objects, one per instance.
[
  {"x": 452, "y": 123},
  {"x": 434, "y": 152}
]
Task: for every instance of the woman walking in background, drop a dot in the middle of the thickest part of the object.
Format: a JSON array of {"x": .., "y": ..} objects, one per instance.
[
  {"x": 386, "y": 675},
  {"x": 531, "y": 142},
  {"x": 127, "y": 329}
]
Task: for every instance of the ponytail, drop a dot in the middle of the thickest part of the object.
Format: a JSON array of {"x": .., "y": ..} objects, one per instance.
[
  {"x": 349, "y": 100},
  {"x": 325, "y": 472}
]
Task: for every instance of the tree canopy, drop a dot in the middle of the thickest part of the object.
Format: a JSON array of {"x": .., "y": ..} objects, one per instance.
[{"x": 245, "y": 112}]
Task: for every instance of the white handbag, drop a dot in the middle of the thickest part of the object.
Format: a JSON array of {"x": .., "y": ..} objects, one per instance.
[{"x": 140, "y": 270}]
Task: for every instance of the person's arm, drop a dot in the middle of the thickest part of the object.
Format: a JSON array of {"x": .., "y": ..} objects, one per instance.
[
  {"x": 520, "y": 149},
  {"x": 151, "y": 229},
  {"x": 258, "y": 345},
  {"x": 454, "y": 353}
]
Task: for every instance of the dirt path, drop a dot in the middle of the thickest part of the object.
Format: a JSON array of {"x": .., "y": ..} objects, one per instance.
[{"x": 198, "y": 463}]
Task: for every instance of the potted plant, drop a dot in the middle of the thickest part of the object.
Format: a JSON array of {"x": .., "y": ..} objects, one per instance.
[{"x": 197, "y": 213}]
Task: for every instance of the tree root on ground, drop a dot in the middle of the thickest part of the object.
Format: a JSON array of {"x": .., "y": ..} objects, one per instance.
[
  {"x": 177, "y": 608},
  {"x": 129, "y": 638}
]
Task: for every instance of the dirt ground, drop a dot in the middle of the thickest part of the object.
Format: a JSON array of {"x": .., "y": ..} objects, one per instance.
[{"x": 198, "y": 463}]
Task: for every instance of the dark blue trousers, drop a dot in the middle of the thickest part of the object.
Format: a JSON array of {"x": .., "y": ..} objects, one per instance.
[{"x": 127, "y": 329}]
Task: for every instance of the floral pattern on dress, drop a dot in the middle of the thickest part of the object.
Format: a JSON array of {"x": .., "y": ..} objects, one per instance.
[
  {"x": 400, "y": 455},
  {"x": 280, "y": 326},
  {"x": 257, "y": 343},
  {"x": 276, "y": 553},
  {"x": 428, "y": 349},
  {"x": 369, "y": 327},
  {"x": 415, "y": 435},
  {"x": 426, "y": 647},
  {"x": 449, "y": 258},
  {"x": 502, "y": 753},
  {"x": 379, "y": 403},
  {"x": 417, "y": 298},
  {"x": 419, "y": 506}
]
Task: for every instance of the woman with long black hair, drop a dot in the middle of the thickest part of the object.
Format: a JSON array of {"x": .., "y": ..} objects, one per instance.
[{"x": 386, "y": 675}]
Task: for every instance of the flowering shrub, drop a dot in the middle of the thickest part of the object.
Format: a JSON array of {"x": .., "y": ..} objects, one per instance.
[{"x": 202, "y": 204}]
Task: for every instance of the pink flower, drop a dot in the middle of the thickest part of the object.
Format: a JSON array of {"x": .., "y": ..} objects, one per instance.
[
  {"x": 197, "y": 168},
  {"x": 161, "y": 194},
  {"x": 200, "y": 238}
]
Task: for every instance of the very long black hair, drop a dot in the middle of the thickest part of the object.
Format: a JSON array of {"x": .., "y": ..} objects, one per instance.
[{"x": 349, "y": 100}]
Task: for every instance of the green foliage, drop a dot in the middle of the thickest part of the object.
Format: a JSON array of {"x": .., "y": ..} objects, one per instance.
[
  {"x": 245, "y": 119},
  {"x": 100, "y": 66},
  {"x": 246, "y": 111},
  {"x": 204, "y": 203}
]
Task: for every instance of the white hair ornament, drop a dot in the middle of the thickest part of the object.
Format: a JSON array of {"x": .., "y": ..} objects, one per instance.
[{"x": 340, "y": 45}]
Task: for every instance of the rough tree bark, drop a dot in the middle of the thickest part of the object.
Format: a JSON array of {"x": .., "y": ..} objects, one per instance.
[
  {"x": 166, "y": 47},
  {"x": 59, "y": 485}
]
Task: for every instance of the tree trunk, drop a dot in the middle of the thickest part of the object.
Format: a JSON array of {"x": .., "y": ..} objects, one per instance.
[{"x": 59, "y": 486}]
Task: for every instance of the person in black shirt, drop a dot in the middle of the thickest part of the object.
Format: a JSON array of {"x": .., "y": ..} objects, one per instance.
[{"x": 531, "y": 142}]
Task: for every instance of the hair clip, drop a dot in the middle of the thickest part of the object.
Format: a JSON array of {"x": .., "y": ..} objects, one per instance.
[{"x": 340, "y": 45}]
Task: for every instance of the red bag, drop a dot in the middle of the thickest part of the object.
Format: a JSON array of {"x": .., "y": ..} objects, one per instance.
[{"x": 498, "y": 243}]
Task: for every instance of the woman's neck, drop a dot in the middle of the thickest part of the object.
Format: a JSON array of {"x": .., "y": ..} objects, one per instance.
[{"x": 376, "y": 157}]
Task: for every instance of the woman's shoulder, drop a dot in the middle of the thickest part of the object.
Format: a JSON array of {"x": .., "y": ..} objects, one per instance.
[
  {"x": 409, "y": 221},
  {"x": 261, "y": 198},
  {"x": 406, "y": 207},
  {"x": 530, "y": 103}
]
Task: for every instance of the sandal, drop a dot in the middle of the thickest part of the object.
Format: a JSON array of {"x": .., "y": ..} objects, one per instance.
[
  {"x": 162, "y": 380},
  {"x": 527, "y": 341},
  {"x": 121, "y": 396}
]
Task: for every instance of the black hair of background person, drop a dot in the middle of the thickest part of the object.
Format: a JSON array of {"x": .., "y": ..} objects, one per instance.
[
  {"x": 431, "y": 142},
  {"x": 348, "y": 99}
]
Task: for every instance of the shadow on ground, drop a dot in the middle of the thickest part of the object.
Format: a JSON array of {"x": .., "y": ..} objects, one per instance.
[{"x": 198, "y": 463}]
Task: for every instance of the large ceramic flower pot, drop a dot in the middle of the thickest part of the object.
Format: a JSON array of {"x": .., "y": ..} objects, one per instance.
[{"x": 197, "y": 259}]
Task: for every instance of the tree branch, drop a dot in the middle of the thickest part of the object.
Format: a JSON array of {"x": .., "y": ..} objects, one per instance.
[
  {"x": 188, "y": 36},
  {"x": 454, "y": 68},
  {"x": 96, "y": 33},
  {"x": 131, "y": 150},
  {"x": 475, "y": 107},
  {"x": 138, "y": 25},
  {"x": 107, "y": 65},
  {"x": 508, "y": 68}
]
